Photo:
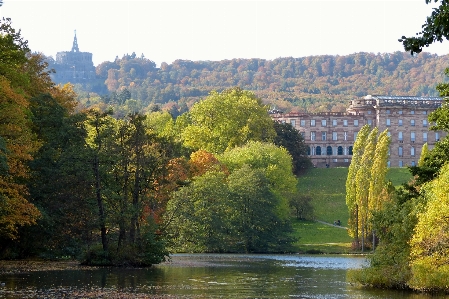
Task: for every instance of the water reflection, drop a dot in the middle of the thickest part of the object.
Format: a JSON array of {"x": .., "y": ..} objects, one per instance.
[{"x": 216, "y": 276}]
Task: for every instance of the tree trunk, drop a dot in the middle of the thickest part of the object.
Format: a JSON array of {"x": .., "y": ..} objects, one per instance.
[{"x": 101, "y": 211}]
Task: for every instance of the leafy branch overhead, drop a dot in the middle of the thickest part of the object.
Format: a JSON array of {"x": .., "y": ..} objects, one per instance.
[{"x": 435, "y": 28}]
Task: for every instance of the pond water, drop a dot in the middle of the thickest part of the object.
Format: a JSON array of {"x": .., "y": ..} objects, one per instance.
[{"x": 204, "y": 276}]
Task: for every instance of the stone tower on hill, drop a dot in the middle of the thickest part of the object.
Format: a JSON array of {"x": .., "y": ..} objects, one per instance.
[{"x": 73, "y": 66}]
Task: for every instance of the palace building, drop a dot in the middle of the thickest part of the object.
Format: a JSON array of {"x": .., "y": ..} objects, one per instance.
[
  {"x": 330, "y": 136},
  {"x": 73, "y": 66}
]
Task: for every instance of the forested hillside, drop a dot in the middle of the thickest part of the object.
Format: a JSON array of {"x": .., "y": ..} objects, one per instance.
[{"x": 313, "y": 83}]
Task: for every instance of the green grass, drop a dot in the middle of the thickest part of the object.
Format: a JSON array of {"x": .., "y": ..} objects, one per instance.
[{"x": 327, "y": 188}]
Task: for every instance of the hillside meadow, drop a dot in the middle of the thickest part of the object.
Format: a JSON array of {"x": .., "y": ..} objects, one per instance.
[{"x": 326, "y": 187}]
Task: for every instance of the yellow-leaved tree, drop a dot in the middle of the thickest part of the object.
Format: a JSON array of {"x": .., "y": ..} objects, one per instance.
[{"x": 429, "y": 257}]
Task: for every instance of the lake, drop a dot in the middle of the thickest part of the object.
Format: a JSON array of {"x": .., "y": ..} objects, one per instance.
[{"x": 203, "y": 276}]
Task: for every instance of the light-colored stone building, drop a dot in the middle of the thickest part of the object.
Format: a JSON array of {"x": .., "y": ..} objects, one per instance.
[
  {"x": 73, "y": 66},
  {"x": 330, "y": 136}
]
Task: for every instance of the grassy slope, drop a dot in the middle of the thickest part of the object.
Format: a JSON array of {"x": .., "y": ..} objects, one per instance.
[{"x": 327, "y": 188}]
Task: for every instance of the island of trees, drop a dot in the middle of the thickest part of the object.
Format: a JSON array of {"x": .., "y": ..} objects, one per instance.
[{"x": 114, "y": 189}]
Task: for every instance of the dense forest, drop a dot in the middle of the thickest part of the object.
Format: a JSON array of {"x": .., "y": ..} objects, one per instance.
[{"x": 313, "y": 83}]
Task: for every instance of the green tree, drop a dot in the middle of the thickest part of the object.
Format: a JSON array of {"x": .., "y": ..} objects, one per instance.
[
  {"x": 197, "y": 216},
  {"x": 273, "y": 161},
  {"x": 255, "y": 222},
  {"x": 226, "y": 120},
  {"x": 59, "y": 182},
  {"x": 363, "y": 178},
  {"x": 436, "y": 28},
  {"x": 424, "y": 154},
  {"x": 366, "y": 186},
  {"x": 430, "y": 241},
  {"x": 351, "y": 183},
  {"x": 292, "y": 140},
  {"x": 100, "y": 131}
]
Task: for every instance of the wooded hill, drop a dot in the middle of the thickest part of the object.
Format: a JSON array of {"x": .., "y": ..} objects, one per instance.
[{"x": 313, "y": 83}]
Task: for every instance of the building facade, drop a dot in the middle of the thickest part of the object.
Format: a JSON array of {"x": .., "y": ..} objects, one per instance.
[
  {"x": 330, "y": 136},
  {"x": 73, "y": 66}
]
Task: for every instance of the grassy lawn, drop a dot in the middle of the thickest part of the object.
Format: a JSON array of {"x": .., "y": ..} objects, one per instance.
[{"x": 327, "y": 188}]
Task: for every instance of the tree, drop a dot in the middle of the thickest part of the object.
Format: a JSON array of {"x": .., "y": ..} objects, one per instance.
[
  {"x": 424, "y": 154},
  {"x": 198, "y": 215},
  {"x": 60, "y": 182},
  {"x": 18, "y": 145},
  {"x": 429, "y": 243},
  {"x": 292, "y": 140},
  {"x": 436, "y": 28},
  {"x": 351, "y": 183},
  {"x": 255, "y": 222},
  {"x": 363, "y": 178},
  {"x": 275, "y": 162},
  {"x": 366, "y": 186},
  {"x": 226, "y": 120}
]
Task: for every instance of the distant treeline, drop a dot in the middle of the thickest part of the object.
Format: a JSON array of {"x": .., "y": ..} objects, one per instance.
[{"x": 313, "y": 83}]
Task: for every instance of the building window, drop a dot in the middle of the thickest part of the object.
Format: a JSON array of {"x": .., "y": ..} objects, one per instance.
[
  {"x": 312, "y": 123},
  {"x": 412, "y": 122},
  {"x": 334, "y": 135},
  {"x": 323, "y": 123},
  {"x": 437, "y": 136},
  {"x": 312, "y": 136},
  {"x": 303, "y": 135},
  {"x": 413, "y": 163},
  {"x": 356, "y": 122},
  {"x": 400, "y": 112},
  {"x": 308, "y": 150},
  {"x": 424, "y": 122},
  {"x": 346, "y": 135},
  {"x": 323, "y": 136},
  {"x": 400, "y": 122},
  {"x": 340, "y": 150},
  {"x": 369, "y": 111},
  {"x": 412, "y": 112},
  {"x": 388, "y": 111},
  {"x": 388, "y": 133},
  {"x": 388, "y": 164},
  {"x": 424, "y": 112},
  {"x": 329, "y": 150},
  {"x": 388, "y": 122},
  {"x": 370, "y": 122},
  {"x": 283, "y": 121},
  {"x": 335, "y": 160},
  {"x": 355, "y": 136},
  {"x": 303, "y": 123},
  {"x": 345, "y": 122},
  {"x": 400, "y": 151},
  {"x": 400, "y": 163},
  {"x": 334, "y": 122},
  {"x": 400, "y": 138},
  {"x": 293, "y": 123},
  {"x": 412, "y": 136},
  {"x": 318, "y": 150},
  {"x": 412, "y": 151},
  {"x": 424, "y": 136},
  {"x": 350, "y": 150}
]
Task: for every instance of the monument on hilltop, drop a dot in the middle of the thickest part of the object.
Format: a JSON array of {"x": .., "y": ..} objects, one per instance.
[{"x": 73, "y": 66}]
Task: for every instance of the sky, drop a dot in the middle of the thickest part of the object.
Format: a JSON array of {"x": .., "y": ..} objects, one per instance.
[{"x": 165, "y": 31}]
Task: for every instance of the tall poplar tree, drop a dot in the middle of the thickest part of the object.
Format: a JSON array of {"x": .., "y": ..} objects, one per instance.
[
  {"x": 351, "y": 185},
  {"x": 363, "y": 178}
]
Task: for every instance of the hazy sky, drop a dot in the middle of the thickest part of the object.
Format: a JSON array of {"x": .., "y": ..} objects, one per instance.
[{"x": 215, "y": 30}]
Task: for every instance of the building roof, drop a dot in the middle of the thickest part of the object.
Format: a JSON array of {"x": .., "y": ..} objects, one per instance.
[{"x": 401, "y": 98}]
